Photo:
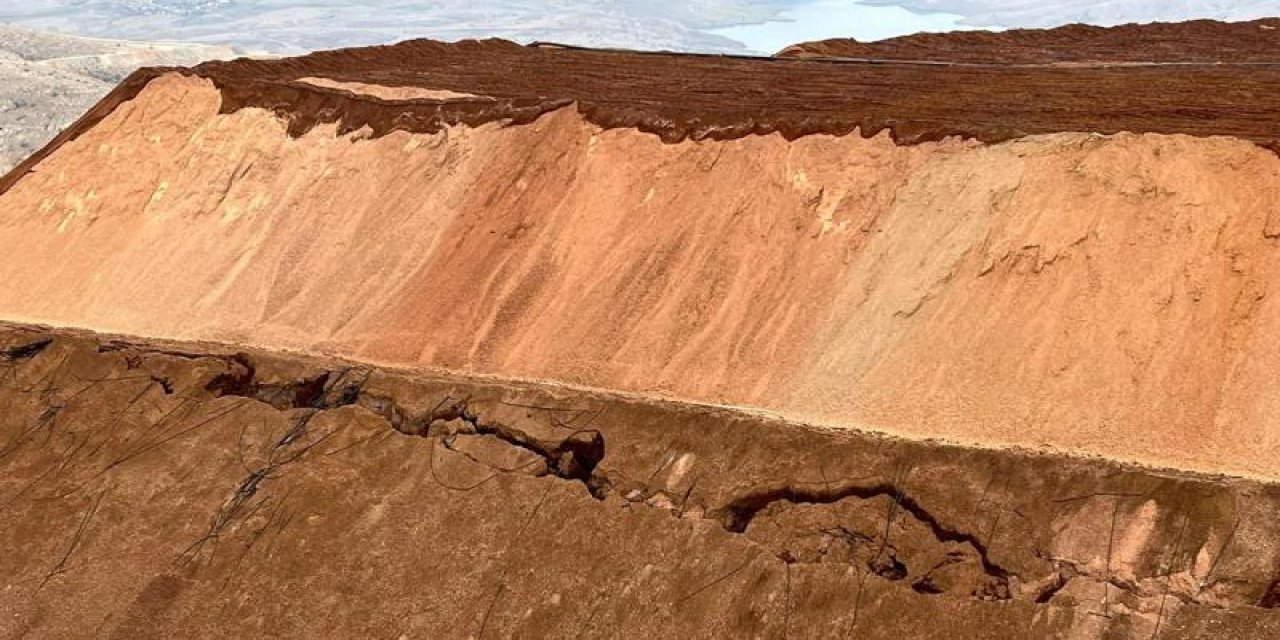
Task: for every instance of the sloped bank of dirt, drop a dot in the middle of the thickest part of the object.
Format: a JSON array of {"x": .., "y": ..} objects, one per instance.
[
  {"x": 500, "y": 211},
  {"x": 1113, "y": 295},
  {"x": 160, "y": 489}
]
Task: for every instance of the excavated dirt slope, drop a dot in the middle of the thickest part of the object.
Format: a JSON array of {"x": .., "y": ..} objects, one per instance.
[
  {"x": 157, "y": 490},
  {"x": 1196, "y": 41},
  {"x": 1067, "y": 273},
  {"x": 1100, "y": 294}
]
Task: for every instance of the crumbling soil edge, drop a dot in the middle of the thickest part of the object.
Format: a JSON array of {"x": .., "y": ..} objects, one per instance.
[{"x": 247, "y": 83}]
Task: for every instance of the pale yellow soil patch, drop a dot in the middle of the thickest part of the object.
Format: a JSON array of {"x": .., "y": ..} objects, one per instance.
[{"x": 389, "y": 93}]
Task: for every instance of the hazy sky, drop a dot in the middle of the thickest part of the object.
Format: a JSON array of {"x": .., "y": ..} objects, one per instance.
[{"x": 699, "y": 25}]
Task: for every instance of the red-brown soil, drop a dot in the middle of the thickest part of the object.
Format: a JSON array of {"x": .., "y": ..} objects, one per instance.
[
  {"x": 1033, "y": 289},
  {"x": 1196, "y": 41},
  {"x": 155, "y": 490},
  {"x": 680, "y": 96}
]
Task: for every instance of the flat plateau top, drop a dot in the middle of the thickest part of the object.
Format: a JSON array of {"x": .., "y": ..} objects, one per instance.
[
  {"x": 1200, "y": 78},
  {"x": 679, "y": 96}
]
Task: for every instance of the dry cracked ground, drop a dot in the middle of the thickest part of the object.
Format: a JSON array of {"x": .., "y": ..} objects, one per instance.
[{"x": 157, "y": 489}]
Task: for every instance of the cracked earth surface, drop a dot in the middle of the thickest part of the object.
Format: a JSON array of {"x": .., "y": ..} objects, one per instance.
[{"x": 154, "y": 488}]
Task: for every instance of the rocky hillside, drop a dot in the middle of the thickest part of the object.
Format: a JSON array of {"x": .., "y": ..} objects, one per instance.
[{"x": 47, "y": 80}]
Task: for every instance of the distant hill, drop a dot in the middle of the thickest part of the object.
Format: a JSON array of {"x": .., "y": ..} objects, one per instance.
[
  {"x": 1194, "y": 41},
  {"x": 47, "y": 80}
]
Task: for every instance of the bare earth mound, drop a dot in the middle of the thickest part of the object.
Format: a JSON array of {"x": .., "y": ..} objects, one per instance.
[
  {"x": 1006, "y": 258},
  {"x": 1107, "y": 295}
]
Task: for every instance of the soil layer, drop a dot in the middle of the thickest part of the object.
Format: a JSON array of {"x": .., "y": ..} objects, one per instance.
[
  {"x": 159, "y": 489},
  {"x": 723, "y": 97}
]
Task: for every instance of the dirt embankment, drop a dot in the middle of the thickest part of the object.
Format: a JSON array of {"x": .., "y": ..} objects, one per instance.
[
  {"x": 1196, "y": 41},
  {"x": 503, "y": 213},
  {"x": 160, "y": 489},
  {"x": 1108, "y": 295}
]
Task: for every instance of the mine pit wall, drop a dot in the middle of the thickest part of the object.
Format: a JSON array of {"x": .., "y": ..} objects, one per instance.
[
  {"x": 155, "y": 489},
  {"x": 1109, "y": 295}
]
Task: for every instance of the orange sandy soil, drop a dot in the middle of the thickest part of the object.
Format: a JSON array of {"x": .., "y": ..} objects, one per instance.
[
  {"x": 1109, "y": 295},
  {"x": 387, "y": 93}
]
